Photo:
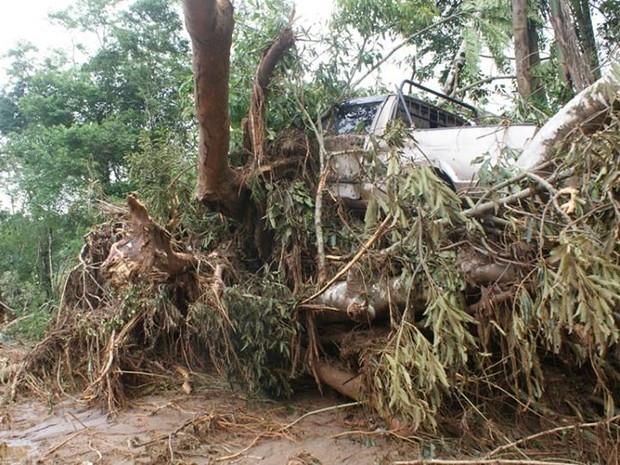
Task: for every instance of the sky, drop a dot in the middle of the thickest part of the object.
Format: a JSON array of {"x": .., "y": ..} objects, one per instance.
[{"x": 27, "y": 20}]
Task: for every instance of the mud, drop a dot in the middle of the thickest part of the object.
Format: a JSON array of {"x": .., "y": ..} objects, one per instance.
[{"x": 155, "y": 431}]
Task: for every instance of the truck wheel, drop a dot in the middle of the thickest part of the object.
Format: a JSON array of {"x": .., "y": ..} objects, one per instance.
[{"x": 445, "y": 178}]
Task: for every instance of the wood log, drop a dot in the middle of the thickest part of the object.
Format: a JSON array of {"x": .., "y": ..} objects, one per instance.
[
  {"x": 483, "y": 273},
  {"x": 345, "y": 383},
  {"x": 355, "y": 300},
  {"x": 583, "y": 112},
  {"x": 350, "y": 385},
  {"x": 352, "y": 300}
]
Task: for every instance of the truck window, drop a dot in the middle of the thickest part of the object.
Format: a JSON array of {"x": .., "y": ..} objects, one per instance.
[{"x": 354, "y": 117}]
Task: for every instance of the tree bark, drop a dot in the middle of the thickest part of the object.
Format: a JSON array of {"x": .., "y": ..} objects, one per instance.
[
  {"x": 581, "y": 10},
  {"x": 585, "y": 111},
  {"x": 575, "y": 63},
  {"x": 526, "y": 52},
  {"x": 363, "y": 303},
  {"x": 210, "y": 25},
  {"x": 266, "y": 66},
  {"x": 345, "y": 383},
  {"x": 538, "y": 90},
  {"x": 521, "y": 39}
]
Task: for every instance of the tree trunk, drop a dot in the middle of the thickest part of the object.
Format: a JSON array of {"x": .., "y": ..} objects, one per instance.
[
  {"x": 585, "y": 111},
  {"x": 538, "y": 90},
  {"x": 210, "y": 25},
  {"x": 575, "y": 63},
  {"x": 44, "y": 262},
  {"x": 526, "y": 52},
  {"x": 581, "y": 10}
]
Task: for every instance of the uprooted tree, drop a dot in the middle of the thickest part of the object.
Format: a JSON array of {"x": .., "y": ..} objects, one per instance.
[{"x": 436, "y": 301}]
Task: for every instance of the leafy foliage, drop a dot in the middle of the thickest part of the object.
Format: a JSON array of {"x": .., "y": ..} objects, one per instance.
[
  {"x": 67, "y": 128},
  {"x": 250, "y": 335}
]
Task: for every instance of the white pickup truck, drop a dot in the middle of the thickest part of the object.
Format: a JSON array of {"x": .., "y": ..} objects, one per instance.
[{"x": 454, "y": 145}]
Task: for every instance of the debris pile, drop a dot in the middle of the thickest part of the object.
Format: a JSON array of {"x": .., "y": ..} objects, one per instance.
[{"x": 439, "y": 305}]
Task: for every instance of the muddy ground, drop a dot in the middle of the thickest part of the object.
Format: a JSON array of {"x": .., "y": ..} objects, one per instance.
[
  {"x": 198, "y": 419},
  {"x": 210, "y": 425}
]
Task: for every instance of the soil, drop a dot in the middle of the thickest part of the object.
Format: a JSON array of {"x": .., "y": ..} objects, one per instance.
[
  {"x": 208, "y": 426},
  {"x": 199, "y": 420}
]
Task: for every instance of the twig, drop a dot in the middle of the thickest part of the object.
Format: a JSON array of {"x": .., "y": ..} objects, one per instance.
[
  {"x": 62, "y": 443},
  {"x": 483, "y": 208},
  {"x": 285, "y": 427},
  {"x": 479, "y": 462},
  {"x": 110, "y": 353},
  {"x": 405, "y": 42},
  {"x": 6, "y": 307},
  {"x": 353, "y": 261},
  {"x": 77, "y": 419},
  {"x": 178, "y": 176},
  {"x": 96, "y": 451},
  {"x": 241, "y": 452},
  {"x": 381, "y": 432},
  {"x": 16, "y": 320},
  {"x": 317, "y": 129},
  {"x": 483, "y": 81},
  {"x": 321, "y": 410},
  {"x": 510, "y": 181},
  {"x": 170, "y": 449},
  {"x": 188, "y": 423},
  {"x": 487, "y": 302},
  {"x": 551, "y": 431},
  {"x": 553, "y": 191},
  {"x": 542, "y": 181}
]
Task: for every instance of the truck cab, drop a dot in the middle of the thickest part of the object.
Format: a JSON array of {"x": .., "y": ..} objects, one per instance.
[{"x": 449, "y": 141}]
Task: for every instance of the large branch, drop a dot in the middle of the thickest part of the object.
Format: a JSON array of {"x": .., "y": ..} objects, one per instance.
[
  {"x": 583, "y": 112},
  {"x": 353, "y": 299},
  {"x": 342, "y": 381},
  {"x": 210, "y": 25},
  {"x": 264, "y": 73}
]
